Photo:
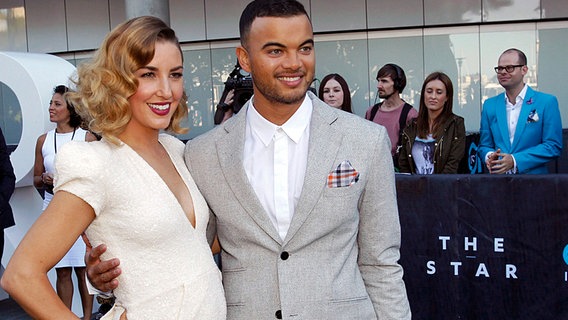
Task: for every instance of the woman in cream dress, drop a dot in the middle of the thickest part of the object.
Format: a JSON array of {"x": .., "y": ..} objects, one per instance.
[{"x": 131, "y": 190}]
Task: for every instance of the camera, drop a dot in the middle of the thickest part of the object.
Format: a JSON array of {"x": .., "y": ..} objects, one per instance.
[{"x": 241, "y": 82}]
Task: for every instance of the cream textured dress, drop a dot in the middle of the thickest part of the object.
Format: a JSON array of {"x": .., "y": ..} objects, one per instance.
[{"x": 168, "y": 270}]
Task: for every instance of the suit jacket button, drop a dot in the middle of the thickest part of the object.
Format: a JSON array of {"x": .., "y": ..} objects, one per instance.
[
  {"x": 278, "y": 314},
  {"x": 284, "y": 255}
]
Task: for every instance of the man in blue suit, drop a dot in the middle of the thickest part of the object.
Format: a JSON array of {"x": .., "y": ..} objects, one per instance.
[{"x": 521, "y": 129}]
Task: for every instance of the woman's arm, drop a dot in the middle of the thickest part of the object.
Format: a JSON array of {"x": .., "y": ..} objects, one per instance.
[
  {"x": 47, "y": 241},
  {"x": 457, "y": 147},
  {"x": 90, "y": 137},
  {"x": 39, "y": 169}
]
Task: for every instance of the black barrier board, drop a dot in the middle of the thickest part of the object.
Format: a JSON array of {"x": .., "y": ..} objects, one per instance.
[{"x": 484, "y": 246}]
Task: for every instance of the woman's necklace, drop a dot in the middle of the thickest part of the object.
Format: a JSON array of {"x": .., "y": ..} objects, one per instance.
[{"x": 55, "y": 138}]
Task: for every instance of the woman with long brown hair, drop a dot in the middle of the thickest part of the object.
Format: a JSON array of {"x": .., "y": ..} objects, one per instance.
[
  {"x": 334, "y": 91},
  {"x": 434, "y": 142}
]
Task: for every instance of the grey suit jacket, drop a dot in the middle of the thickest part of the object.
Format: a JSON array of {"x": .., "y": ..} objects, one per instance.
[{"x": 339, "y": 258}]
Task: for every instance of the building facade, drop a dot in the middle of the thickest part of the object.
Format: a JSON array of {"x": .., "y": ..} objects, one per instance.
[{"x": 462, "y": 38}]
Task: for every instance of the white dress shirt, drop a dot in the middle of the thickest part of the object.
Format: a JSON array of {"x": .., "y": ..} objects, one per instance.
[
  {"x": 513, "y": 112},
  {"x": 275, "y": 159}
]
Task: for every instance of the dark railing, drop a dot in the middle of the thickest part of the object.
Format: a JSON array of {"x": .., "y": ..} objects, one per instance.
[{"x": 472, "y": 164}]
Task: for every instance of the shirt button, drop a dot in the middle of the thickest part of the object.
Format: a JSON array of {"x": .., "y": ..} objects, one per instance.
[
  {"x": 278, "y": 314},
  {"x": 284, "y": 255}
]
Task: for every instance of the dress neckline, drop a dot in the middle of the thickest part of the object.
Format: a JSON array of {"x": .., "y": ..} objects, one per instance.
[{"x": 55, "y": 137}]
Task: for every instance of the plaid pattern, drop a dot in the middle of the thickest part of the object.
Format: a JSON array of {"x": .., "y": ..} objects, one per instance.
[{"x": 343, "y": 176}]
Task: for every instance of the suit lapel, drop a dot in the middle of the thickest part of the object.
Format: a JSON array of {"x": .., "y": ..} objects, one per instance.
[
  {"x": 501, "y": 113},
  {"x": 523, "y": 116},
  {"x": 230, "y": 154},
  {"x": 324, "y": 144}
]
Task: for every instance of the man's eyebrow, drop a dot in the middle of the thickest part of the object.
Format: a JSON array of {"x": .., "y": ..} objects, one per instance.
[
  {"x": 309, "y": 41},
  {"x": 273, "y": 44},
  {"x": 280, "y": 45}
]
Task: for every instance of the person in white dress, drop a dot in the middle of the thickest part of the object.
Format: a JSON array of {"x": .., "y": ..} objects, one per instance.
[
  {"x": 68, "y": 122},
  {"x": 131, "y": 190}
]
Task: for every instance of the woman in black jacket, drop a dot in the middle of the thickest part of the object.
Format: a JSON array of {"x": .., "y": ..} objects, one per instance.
[{"x": 435, "y": 141}]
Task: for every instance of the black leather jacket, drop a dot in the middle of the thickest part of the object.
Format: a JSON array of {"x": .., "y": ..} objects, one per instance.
[{"x": 450, "y": 147}]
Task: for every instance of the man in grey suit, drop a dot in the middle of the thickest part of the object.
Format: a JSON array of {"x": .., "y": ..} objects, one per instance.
[{"x": 302, "y": 195}]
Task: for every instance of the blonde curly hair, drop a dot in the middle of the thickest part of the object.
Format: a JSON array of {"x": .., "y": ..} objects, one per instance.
[{"x": 105, "y": 83}]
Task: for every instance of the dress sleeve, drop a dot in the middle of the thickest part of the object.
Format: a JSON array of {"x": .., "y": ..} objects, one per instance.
[{"x": 78, "y": 170}]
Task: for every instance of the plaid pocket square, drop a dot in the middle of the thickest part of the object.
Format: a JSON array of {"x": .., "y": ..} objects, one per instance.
[{"x": 343, "y": 176}]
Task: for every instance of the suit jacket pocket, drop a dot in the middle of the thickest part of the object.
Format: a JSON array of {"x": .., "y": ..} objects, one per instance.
[
  {"x": 232, "y": 281},
  {"x": 352, "y": 308},
  {"x": 352, "y": 190}
]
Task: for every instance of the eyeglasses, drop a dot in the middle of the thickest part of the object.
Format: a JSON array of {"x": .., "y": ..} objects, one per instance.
[{"x": 509, "y": 68}]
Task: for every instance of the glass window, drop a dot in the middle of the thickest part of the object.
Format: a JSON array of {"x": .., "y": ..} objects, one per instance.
[
  {"x": 13, "y": 29},
  {"x": 332, "y": 15},
  {"x": 497, "y": 10},
  {"x": 10, "y": 115},
  {"x": 438, "y": 12},
  {"x": 205, "y": 73},
  {"x": 554, "y": 9},
  {"x": 197, "y": 76},
  {"x": 496, "y": 39},
  {"x": 395, "y": 13},
  {"x": 348, "y": 58},
  {"x": 455, "y": 51},
  {"x": 403, "y": 48},
  {"x": 551, "y": 64}
]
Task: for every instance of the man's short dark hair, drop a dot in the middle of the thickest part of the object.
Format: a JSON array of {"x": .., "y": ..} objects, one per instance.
[
  {"x": 267, "y": 8},
  {"x": 395, "y": 73},
  {"x": 522, "y": 56}
]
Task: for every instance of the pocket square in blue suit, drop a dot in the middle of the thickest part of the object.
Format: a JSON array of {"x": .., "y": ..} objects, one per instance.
[
  {"x": 533, "y": 116},
  {"x": 343, "y": 176}
]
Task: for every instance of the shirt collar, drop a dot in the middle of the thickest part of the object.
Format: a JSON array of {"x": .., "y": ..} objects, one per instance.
[
  {"x": 520, "y": 97},
  {"x": 294, "y": 127}
]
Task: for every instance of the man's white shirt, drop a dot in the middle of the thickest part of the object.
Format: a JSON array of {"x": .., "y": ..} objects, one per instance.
[
  {"x": 514, "y": 111},
  {"x": 275, "y": 160}
]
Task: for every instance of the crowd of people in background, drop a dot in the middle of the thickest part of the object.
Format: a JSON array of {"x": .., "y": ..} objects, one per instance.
[
  {"x": 259, "y": 173},
  {"x": 432, "y": 139},
  {"x": 521, "y": 129}
]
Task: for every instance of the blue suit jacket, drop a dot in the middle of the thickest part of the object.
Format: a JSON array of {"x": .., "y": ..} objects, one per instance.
[{"x": 538, "y": 136}]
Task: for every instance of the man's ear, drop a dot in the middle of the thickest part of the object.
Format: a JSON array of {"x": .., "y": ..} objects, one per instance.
[
  {"x": 243, "y": 57},
  {"x": 525, "y": 69}
]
